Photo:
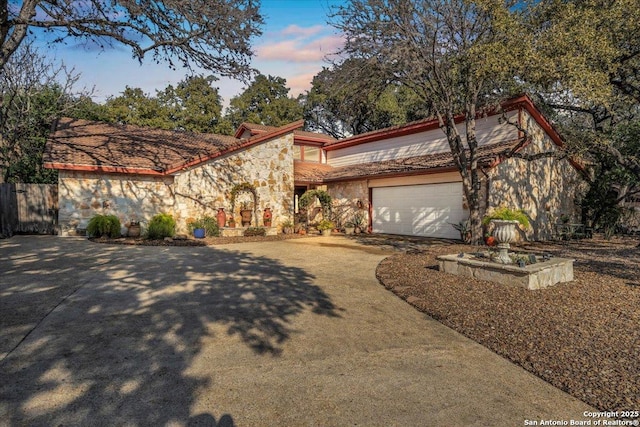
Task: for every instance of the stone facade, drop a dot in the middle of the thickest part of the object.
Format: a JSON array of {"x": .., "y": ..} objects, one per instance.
[
  {"x": 188, "y": 194},
  {"x": 348, "y": 199},
  {"x": 268, "y": 167},
  {"x": 545, "y": 188},
  {"x": 81, "y": 195}
]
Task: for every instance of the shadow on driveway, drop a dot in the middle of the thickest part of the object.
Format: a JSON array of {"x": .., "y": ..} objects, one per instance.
[{"x": 94, "y": 334}]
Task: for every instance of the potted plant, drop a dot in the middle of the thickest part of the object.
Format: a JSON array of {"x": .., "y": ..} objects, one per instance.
[
  {"x": 267, "y": 217},
  {"x": 232, "y": 223},
  {"x": 325, "y": 226},
  {"x": 358, "y": 222},
  {"x": 205, "y": 226},
  {"x": 134, "y": 230},
  {"x": 349, "y": 227},
  {"x": 504, "y": 222},
  {"x": 287, "y": 226},
  {"x": 464, "y": 228},
  {"x": 489, "y": 240}
]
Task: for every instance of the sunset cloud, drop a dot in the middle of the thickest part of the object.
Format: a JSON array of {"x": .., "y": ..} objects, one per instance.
[
  {"x": 298, "y": 31},
  {"x": 300, "y": 49}
]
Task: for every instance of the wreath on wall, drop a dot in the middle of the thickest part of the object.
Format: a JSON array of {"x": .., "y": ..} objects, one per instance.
[{"x": 245, "y": 187}]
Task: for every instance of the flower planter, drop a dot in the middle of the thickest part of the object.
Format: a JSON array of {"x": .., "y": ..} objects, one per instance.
[
  {"x": 198, "y": 233},
  {"x": 266, "y": 217},
  {"x": 504, "y": 233},
  {"x": 133, "y": 230},
  {"x": 246, "y": 215}
]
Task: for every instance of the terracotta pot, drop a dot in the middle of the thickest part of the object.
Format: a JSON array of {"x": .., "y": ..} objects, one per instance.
[
  {"x": 133, "y": 231},
  {"x": 266, "y": 217},
  {"x": 222, "y": 217},
  {"x": 490, "y": 240}
]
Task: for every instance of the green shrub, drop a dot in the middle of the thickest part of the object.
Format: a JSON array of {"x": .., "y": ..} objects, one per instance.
[
  {"x": 325, "y": 224},
  {"x": 161, "y": 226},
  {"x": 255, "y": 231},
  {"x": 506, "y": 214},
  {"x": 104, "y": 225},
  {"x": 209, "y": 223}
]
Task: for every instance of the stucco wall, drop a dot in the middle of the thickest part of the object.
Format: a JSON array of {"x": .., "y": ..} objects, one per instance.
[
  {"x": 544, "y": 188},
  {"x": 189, "y": 194}
]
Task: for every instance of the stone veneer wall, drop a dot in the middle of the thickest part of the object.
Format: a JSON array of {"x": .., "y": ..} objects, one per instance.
[
  {"x": 545, "y": 188},
  {"x": 268, "y": 167},
  {"x": 345, "y": 197},
  {"x": 189, "y": 194},
  {"x": 81, "y": 195}
]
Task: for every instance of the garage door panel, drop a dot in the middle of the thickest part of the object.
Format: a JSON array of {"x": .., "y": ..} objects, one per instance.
[{"x": 422, "y": 210}]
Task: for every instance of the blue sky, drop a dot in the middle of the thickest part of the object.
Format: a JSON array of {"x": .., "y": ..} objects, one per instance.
[{"x": 296, "y": 38}]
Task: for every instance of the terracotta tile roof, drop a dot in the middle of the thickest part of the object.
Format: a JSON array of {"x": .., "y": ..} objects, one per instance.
[
  {"x": 314, "y": 135},
  {"x": 315, "y": 173},
  {"x": 310, "y": 172},
  {"x": 87, "y": 145},
  {"x": 257, "y": 127}
]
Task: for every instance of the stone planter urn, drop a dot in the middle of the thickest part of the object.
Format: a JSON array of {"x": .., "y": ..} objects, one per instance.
[
  {"x": 504, "y": 233},
  {"x": 246, "y": 215}
]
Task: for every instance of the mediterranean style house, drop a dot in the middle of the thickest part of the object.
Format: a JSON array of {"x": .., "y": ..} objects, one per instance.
[{"x": 401, "y": 180}]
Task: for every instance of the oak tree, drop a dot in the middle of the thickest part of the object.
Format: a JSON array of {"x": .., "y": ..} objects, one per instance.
[
  {"x": 214, "y": 35},
  {"x": 451, "y": 54}
]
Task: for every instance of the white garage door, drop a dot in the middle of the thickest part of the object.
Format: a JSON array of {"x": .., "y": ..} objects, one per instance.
[{"x": 419, "y": 210}]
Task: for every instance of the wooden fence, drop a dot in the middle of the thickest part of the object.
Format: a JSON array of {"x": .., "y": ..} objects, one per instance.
[{"x": 28, "y": 209}]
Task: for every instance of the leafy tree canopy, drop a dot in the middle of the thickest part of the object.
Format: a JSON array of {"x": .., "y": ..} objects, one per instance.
[
  {"x": 33, "y": 93},
  {"x": 265, "y": 101},
  {"x": 213, "y": 35},
  {"x": 451, "y": 54},
  {"x": 349, "y": 99},
  {"x": 192, "y": 105}
]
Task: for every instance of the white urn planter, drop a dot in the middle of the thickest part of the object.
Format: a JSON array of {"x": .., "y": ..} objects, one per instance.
[{"x": 504, "y": 232}]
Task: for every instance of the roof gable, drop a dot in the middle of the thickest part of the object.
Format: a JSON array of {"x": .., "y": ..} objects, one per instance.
[{"x": 424, "y": 125}]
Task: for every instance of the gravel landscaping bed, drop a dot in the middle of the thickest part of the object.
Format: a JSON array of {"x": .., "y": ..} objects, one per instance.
[{"x": 583, "y": 336}]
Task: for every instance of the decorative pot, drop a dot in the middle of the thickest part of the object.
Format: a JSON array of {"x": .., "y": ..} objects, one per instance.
[
  {"x": 349, "y": 230},
  {"x": 266, "y": 217},
  {"x": 326, "y": 232},
  {"x": 287, "y": 230},
  {"x": 198, "y": 233},
  {"x": 490, "y": 240},
  {"x": 222, "y": 217},
  {"x": 504, "y": 232},
  {"x": 232, "y": 223},
  {"x": 246, "y": 215},
  {"x": 133, "y": 230}
]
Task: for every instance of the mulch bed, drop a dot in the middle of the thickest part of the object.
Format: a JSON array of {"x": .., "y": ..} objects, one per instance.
[
  {"x": 583, "y": 336},
  {"x": 189, "y": 241}
]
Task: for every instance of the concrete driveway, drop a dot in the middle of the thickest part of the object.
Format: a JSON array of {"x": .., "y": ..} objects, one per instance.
[{"x": 296, "y": 332}]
